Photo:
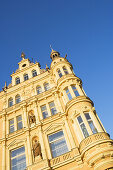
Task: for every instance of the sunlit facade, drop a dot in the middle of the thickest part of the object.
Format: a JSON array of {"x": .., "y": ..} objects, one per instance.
[{"x": 48, "y": 122}]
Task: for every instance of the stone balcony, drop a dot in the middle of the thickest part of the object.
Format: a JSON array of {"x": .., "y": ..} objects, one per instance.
[
  {"x": 66, "y": 158},
  {"x": 93, "y": 140}
]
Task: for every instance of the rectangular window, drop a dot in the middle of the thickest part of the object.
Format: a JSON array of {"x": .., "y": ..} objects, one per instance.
[
  {"x": 90, "y": 122},
  {"x": 19, "y": 122},
  {"x": 11, "y": 126},
  {"x": 68, "y": 93},
  {"x": 18, "y": 159},
  {"x": 82, "y": 126},
  {"x": 39, "y": 90},
  {"x": 52, "y": 108},
  {"x": 75, "y": 91},
  {"x": 44, "y": 111},
  {"x": 57, "y": 144}
]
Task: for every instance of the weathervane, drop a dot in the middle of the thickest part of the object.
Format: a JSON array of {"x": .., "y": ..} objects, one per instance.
[{"x": 51, "y": 47}]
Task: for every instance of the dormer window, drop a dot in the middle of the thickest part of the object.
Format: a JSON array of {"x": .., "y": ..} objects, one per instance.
[
  {"x": 34, "y": 73},
  {"x": 17, "y": 80},
  {"x": 26, "y": 77}
]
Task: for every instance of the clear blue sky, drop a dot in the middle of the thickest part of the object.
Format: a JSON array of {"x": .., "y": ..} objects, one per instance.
[{"x": 81, "y": 28}]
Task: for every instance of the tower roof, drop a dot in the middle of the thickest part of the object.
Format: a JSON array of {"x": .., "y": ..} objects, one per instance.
[{"x": 54, "y": 54}]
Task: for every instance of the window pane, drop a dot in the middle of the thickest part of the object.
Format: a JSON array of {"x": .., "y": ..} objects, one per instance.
[
  {"x": 17, "y": 80},
  {"x": 44, "y": 111},
  {"x": 94, "y": 130},
  {"x": 58, "y": 144},
  {"x": 59, "y": 73},
  {"x": 75, "y": 91},
  {"x": 10, "y": 102},
  {"x": 11, "y": 125},
  {"x": 18, "y": 100},
  {"x": 56, "y": 136},
  {"x": 79, "y": 119},
  {"x": 19, "y": 122},
  {"x": 84, "y": 130},
  {"x": 68, "y": 93},
  {"x": 18, "y": 159},
  {"x": 87, "y": 116}
]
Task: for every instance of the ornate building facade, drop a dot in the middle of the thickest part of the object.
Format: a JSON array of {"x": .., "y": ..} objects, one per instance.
[{"x": 48, "y": 122}]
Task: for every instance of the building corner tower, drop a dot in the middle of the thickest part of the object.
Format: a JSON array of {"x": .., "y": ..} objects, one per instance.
[{"x": 48, "y": 122}]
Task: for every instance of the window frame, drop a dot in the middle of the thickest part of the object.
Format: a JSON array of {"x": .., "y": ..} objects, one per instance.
[
  {"x": 17, "y": 156},
  {"x": 10, "y": 100},
  {"x": 57, "y": 140},
  {"x": 59, "y": 73},
  {"x": 82, "y": 125},
  {"x": 37, "y": 89},
  {"x": 19, "y": 121},
  {"x": 11, "y": 125},
  {"x": 89, "y": 120},
  {"x": 17, "y": 99},
  {"x": 44, "y": 111},
  {"x": 52, "y": 107},
  {"x": 46, "y": 86},
  {"x": 68, "y": 93},
  {"x": 34, "y": 73},
  {"x": 76, "y": 93}
]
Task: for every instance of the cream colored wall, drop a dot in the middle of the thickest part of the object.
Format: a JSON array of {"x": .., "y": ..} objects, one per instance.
[{"x": 64, "y": 120}]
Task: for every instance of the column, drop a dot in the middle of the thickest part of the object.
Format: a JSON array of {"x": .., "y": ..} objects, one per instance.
[
  {"x": 96, "y": 122},
  {"x": 29, "y": 149},
  {"x": 25, "y": 116},
  {"x": 58, "y": 106},
  {"x": 79, "y": 90},
  {"x": 78, "y": 131},
  {"x": 4, "y": 155},
  {"x": 69, "y": 134},
  {"x": 36, "y": 112},
  {"x": 41, "y": 140},
  {"x": 4, "y": 125}
]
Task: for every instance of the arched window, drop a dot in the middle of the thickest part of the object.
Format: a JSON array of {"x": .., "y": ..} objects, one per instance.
[
  {"x": 46, "y": 86},
  {"x": 26, "y": 77},
  {"x": 34, "y": 73},
  {"x": 10, "y": 102},
  {"x": 17, "y": 99},
  {"x": 65, "y": 70},
  {"x": 17, "y": 80},
  {"x": 39, "y": 89},
  {"x": 59, "y": 73}
]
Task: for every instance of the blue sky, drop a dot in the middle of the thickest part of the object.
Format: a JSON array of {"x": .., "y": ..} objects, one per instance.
[{"x": 82, "y": 29}]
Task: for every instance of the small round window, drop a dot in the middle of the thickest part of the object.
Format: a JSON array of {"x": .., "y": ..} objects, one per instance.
[{"x": 23, "y": 65}]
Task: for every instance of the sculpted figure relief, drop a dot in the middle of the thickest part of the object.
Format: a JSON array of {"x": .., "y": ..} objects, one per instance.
[{"x": 36, "y": 148}]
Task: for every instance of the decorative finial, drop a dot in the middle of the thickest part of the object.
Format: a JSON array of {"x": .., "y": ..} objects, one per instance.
[
  {"x": 22, "y": 55},
  {"x": 5, "y": 87},
  {"x": 65, "y": 56}
]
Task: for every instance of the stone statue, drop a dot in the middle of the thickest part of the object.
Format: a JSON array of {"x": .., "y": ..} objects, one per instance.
[
  {"x": 37, "y": 149},
  {"x": 32, "y": 119}
]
